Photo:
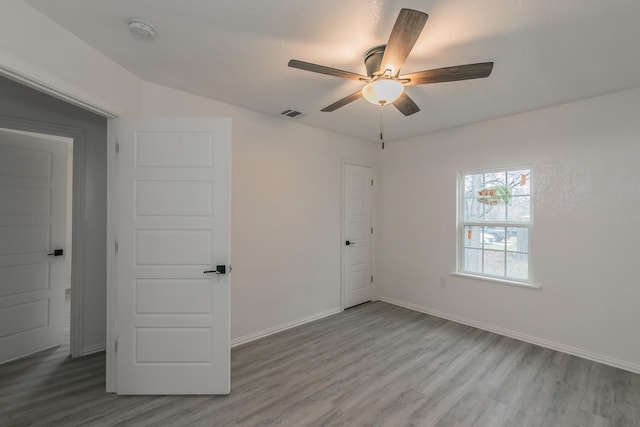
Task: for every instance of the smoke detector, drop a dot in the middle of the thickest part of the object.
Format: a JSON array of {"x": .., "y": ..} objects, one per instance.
[{"x": 141, "y": 29}]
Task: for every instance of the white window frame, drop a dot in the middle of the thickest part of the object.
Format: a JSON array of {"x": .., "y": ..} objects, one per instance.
[{"x": 461, "y": 223}]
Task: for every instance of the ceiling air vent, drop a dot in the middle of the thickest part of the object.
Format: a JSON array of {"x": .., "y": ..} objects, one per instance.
[{"x": 292, "y": 114}]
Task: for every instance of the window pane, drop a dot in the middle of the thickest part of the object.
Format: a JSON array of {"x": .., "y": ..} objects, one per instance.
[
  {"x": 517, "y": 266},
  {"x": 495, "y": 213},
  {"x": 472, "y": 183},
  {"x": 519, "y": 209},
  {"x": 519, "y": 182},
  {"x": 494, "y": 263},
  {"x": 493, "y": 179},
  {"x": 474, "y": 210},
  {"x": 494, "y": 238},
  {"x": 493, "y": 196},
  {"x": 472, "y": 237},
  {"x": 518, "y": 239},
  {"x": 473, "y": 260}
]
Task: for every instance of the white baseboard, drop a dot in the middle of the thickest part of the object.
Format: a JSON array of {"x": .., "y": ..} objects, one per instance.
[
  {"x": 606, "y": 360},
  {"x": 283, "y": 327},
  {"x": 90, "y": 349}
]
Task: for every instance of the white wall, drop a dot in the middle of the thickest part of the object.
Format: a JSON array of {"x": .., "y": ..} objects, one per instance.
[
  {"x": 286, "y": 211},
  {"x": 585, "y": 245}
]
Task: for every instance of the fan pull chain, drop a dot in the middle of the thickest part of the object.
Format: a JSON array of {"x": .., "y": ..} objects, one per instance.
[{"x": 381, "y": 127}]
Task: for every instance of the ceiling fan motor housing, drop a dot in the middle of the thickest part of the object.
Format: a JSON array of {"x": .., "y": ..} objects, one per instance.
[{"x": 373, "y": 59}]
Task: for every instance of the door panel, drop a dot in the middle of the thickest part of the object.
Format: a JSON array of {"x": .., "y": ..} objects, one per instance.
[
  {"x": 357, "y": 265},
  {"x": 174, "y": 198},
  {"x": 173, "y": 319},
  {"x": 33, "y": 174},
  {"x": 173, "y": 247}
]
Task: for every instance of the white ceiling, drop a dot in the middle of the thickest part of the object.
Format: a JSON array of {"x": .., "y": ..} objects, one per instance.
[{"x": 546, "y": 52}]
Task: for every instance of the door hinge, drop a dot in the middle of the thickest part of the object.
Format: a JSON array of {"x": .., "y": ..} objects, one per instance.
[
  {"x": 116, "y": 246},
  {"x": 117, "y": 146},
  {"x": 115, "y": 347},
  {"x": 372, "y": 182},
  {"x": 371, "y": 230},
  {"x": 371, "y": 279}
]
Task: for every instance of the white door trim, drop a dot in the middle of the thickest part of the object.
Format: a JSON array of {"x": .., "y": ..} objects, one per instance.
[
  {"x": 112, "y": 265},
  {"x": 48, "y": 84},
  {"x": 343, "y": 236}
]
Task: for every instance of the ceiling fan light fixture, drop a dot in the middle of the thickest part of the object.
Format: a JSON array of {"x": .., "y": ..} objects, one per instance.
[{"x": 382, "y": 91}]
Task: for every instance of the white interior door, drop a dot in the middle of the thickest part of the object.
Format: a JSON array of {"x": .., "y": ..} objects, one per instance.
[
  {"x": 33, "y": 175},
  {"x": 173, "y": 226},
  {"x": 358, "y": 248}
]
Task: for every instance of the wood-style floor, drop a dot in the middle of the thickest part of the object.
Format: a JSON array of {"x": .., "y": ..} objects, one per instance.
[{"x": 373, "y": 365}]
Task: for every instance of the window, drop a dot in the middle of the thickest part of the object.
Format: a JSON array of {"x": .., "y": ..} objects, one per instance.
[{"x": 494, "y": 224}]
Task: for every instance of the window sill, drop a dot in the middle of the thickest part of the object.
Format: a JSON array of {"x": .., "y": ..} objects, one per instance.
[{"x": 497, "y": 280}]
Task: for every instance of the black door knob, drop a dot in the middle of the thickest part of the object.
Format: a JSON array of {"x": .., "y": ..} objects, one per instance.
[
  {"x": 349, "y": 243},
  {"x": 220, "y": 269}
]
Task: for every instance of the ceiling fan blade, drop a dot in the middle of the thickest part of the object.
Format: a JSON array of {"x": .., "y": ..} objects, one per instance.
[
  {"x": 405, "y": 32},
  {"x": 449, "y": 74},
  {"x": 344, "y": 101},
  {"x": 307, "y": 66},
  {"x": 406, "y": 105}
]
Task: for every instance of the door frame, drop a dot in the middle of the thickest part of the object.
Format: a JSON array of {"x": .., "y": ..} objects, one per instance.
[
  {"x": 50, "y": 85},
  {"x": 343, "y": 237}
]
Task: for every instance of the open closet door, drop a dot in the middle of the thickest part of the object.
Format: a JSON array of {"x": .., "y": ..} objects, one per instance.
[
  {"x": 33, "y": 197},
  {"x": 173, "y": 232}
]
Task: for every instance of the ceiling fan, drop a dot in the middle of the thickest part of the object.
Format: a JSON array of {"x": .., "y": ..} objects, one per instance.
[{"x": 384, "y": 83}]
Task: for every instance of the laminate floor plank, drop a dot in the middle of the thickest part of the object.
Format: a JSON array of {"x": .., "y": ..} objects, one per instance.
[{"x": 373, "y": 365}]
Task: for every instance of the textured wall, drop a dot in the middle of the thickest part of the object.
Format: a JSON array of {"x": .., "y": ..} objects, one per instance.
[{"x": 586, "y": 198}]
